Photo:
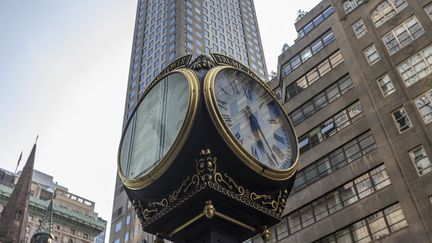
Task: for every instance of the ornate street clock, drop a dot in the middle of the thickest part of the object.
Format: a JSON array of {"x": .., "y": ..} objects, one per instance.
[{"x": 208, "y": 154}]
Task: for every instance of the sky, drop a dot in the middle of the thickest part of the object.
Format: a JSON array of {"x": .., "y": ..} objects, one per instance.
[{"x": 63, "y": 76}]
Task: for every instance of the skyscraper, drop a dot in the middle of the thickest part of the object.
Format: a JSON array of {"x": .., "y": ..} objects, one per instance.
[
  {"x": 357, "y": 86},
  {"x": 166, "y": 30}
]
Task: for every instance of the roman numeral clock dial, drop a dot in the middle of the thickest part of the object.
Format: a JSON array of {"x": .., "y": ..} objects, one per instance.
[{"x": 249, "y": 117}]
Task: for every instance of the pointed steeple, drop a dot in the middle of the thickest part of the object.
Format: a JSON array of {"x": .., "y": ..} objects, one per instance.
[
  {"x": 44, "y": 231},
  {"x": 14, "y": 215}
]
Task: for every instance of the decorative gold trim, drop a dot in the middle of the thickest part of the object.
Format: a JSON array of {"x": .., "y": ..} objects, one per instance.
[
  {"x": 236, "y": 147},
  {"x": 265, "y": 233},
  {"x": 235, "y": 221},
  {"x": 189, "y": 222},
  {"x": 209, "y": 212},
  {"x": 166, "y": 161},
  {"x": 209, "y": 209},
  {"x": 207, "y": 176}
]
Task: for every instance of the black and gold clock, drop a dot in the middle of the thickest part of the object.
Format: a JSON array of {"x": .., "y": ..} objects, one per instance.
[
  {"x": 251, "y": 122},
  {"x": 208, "y": 148}
]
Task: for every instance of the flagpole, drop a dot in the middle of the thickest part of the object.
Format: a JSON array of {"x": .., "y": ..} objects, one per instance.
[{"x": 19, "y": 159}]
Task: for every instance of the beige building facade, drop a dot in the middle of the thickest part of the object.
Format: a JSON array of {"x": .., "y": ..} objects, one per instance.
[{"x": 74, "y": 217}]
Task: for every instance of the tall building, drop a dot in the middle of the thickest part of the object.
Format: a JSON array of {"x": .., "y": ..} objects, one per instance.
[
  {"x": 166, "y": 30},
  {"x": 74, "y": 218},
  {"x": 357, "y": 85}
]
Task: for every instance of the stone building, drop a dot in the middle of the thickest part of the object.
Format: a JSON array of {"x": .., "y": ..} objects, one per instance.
[
  {"x": 357, "y": 85},
  {"x": 74, "y": 218}
]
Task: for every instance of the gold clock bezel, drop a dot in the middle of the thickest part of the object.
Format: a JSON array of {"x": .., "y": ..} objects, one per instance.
[
  {"x": 166, "y": 161},
  {"x": 228, "y": 137}
]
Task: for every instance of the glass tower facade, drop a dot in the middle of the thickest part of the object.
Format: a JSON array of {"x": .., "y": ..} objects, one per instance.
[{"x": 166, "y": 30}]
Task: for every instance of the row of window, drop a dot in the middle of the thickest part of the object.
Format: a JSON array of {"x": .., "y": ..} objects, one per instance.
[
  {"x": 339, "y": 158},
  {"x": 416, "y": 67},
  {"x": 118, "y": 225},
  {"x": 308, "y": 52},
  {"x": 371, "y": 228},
  {"x": 332, "y": 202},
  {"x": 351, "y": 5},
  {"x": 321, "y": 100},
  {"x": 403, "y": 34},
  {"x": 315, "y": 22},
  {"x": 340, "y": 198},
  {"x": 330, "y": 127},
  {"x": 313, "y": 75},
  {"x": 386, "y": 10}
]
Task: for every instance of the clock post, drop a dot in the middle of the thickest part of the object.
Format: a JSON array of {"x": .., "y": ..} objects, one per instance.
[{"x": 208, "y": 154}]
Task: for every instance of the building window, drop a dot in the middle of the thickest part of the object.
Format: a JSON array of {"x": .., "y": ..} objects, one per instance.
[
  {"x": 330, "y": 203},
  {"x": 371, "y": 228},
  {"x": 321, "y": 100},
  {"x": 424, "y": 106},
  {"x": 359, "y": 28},
  {"x": 126, "y": 237},
  {"x": 351, "y": 5},
  {"x": 416, "y": 67},
  {"x": 308, "y": 52},
  {"x": 402, "y": 119},
  {"x": 371, "y": 54},
  {"x": 428, "y": 9},
  {"x": 339, "y": 158},
  {"x": 315, "y": 22},
  {"x": 402, "y": 35},
  {"x": 421, "y": 160},
  {"x": 386, "y": 10},
  {"x": 118, "y": 227},
  {"x": 128, "y": 219},
  {"x": 330, "y": 127},
  {"x": 386, "y": 85},
  {"x": 117, "y": 241},
  {"x": 313, "y": 75},
  {"x": 119, "y": 210}
]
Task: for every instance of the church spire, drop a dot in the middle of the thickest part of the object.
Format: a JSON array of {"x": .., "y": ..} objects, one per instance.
[
  {"x": 14, "y": 215},
  {"x": 44, "y": 231}
]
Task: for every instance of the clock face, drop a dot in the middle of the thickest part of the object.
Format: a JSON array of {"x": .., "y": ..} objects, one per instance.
[
  {"x": 254, "y": 119},
  {"x": 155, "y": 126}
]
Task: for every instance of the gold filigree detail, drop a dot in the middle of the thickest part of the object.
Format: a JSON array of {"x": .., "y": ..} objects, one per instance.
[
  {"x": 207, "y": 177},
  {"x": 254, "y": 196},
  {"x": 240, "y": 189}
]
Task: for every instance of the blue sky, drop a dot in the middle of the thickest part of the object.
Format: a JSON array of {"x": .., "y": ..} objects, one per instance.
[{"x": 63, "y": 74}]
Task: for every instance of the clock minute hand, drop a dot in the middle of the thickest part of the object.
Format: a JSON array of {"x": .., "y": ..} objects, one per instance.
[{"x": 256, "y": 127}]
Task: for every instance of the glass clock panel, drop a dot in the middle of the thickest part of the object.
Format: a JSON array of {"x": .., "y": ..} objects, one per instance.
[
  {"x": 158, "y": 120},
  {"x": 255, "y": 119}
]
